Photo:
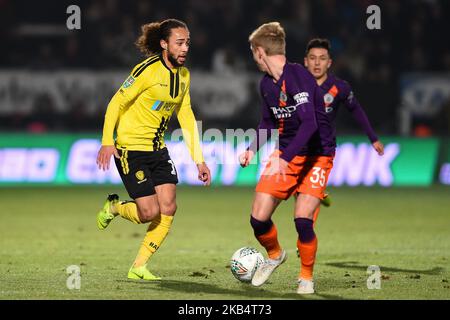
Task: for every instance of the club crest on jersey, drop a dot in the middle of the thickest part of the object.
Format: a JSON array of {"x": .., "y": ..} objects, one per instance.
[
  {"x": 129, "y": 82},
  {"x": 328, "y": 99},
  {"x": 283, "y": 96}
]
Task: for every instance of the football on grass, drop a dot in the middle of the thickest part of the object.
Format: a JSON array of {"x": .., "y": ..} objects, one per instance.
[{"x": 244, "y": 263}]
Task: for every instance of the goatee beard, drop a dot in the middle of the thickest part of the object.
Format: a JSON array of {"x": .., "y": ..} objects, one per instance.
[{"x": 173, "y": 61}]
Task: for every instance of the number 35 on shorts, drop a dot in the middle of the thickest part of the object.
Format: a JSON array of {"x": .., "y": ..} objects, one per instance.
[{"x": 318, "y": 176}]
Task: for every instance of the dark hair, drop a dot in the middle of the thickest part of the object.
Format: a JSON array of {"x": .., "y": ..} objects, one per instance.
[
  {"x": 319, "y": 43},
  {"x": 149, "y": 41}
]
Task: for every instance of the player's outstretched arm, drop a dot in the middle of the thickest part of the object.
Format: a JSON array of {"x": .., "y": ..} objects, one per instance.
[{"x": 361, "y": 118}]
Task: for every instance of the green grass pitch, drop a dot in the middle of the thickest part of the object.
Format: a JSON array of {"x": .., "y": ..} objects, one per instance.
[{"x": 405, "y": 231}]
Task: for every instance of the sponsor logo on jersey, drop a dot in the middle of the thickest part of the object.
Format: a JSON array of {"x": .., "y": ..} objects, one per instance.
[
  {"x": 301, "y": 98},
  {"x": 129, "y": 82},
  {"x": 283, "y": 112},
  {"x": 162, "y": 105}
]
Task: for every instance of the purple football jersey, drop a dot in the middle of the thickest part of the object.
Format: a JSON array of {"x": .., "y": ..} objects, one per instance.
[
  {"x": 336, "y": 92},
  {"x": 294, "y": 105}
]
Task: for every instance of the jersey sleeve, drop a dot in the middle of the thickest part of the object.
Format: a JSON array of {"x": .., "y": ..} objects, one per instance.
[
  {"x": 265, "y": 126},
  {"x": 303, "y": 88},
  {"x": 122, "y": 99},
  {"x": 189, "y": 127},
  {"x": 357, "y": 111}
]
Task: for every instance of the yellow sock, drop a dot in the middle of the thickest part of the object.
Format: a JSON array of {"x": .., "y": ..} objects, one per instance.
[
  {"x": 156, "y": 233},
  {"x": 128, "y": 210}
]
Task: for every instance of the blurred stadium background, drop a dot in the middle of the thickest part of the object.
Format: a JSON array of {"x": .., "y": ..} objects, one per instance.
[
  {"x": 55, "y": 81},
  {"x": 55, "y": 85}
]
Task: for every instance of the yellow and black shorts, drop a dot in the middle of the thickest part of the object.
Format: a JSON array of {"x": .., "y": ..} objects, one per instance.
[{"x": 142, "y": 171}]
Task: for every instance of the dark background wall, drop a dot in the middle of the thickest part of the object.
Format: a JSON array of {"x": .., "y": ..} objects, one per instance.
[{"x": 413, "y": 38}]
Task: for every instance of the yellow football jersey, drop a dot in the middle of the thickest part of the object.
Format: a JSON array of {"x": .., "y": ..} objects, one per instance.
[{"x": 141, "y": 109}]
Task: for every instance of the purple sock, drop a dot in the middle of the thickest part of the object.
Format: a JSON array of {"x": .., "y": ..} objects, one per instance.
[
  {"x": 305, "y": 229},
  {"x": 260, "y": 227}
]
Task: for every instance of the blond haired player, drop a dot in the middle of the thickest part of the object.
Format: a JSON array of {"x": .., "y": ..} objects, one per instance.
[{"x": 301, "y": 165}]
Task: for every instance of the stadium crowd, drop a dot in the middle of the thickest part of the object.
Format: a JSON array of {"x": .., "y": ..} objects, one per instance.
[{"x": 373, "y": 61}]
